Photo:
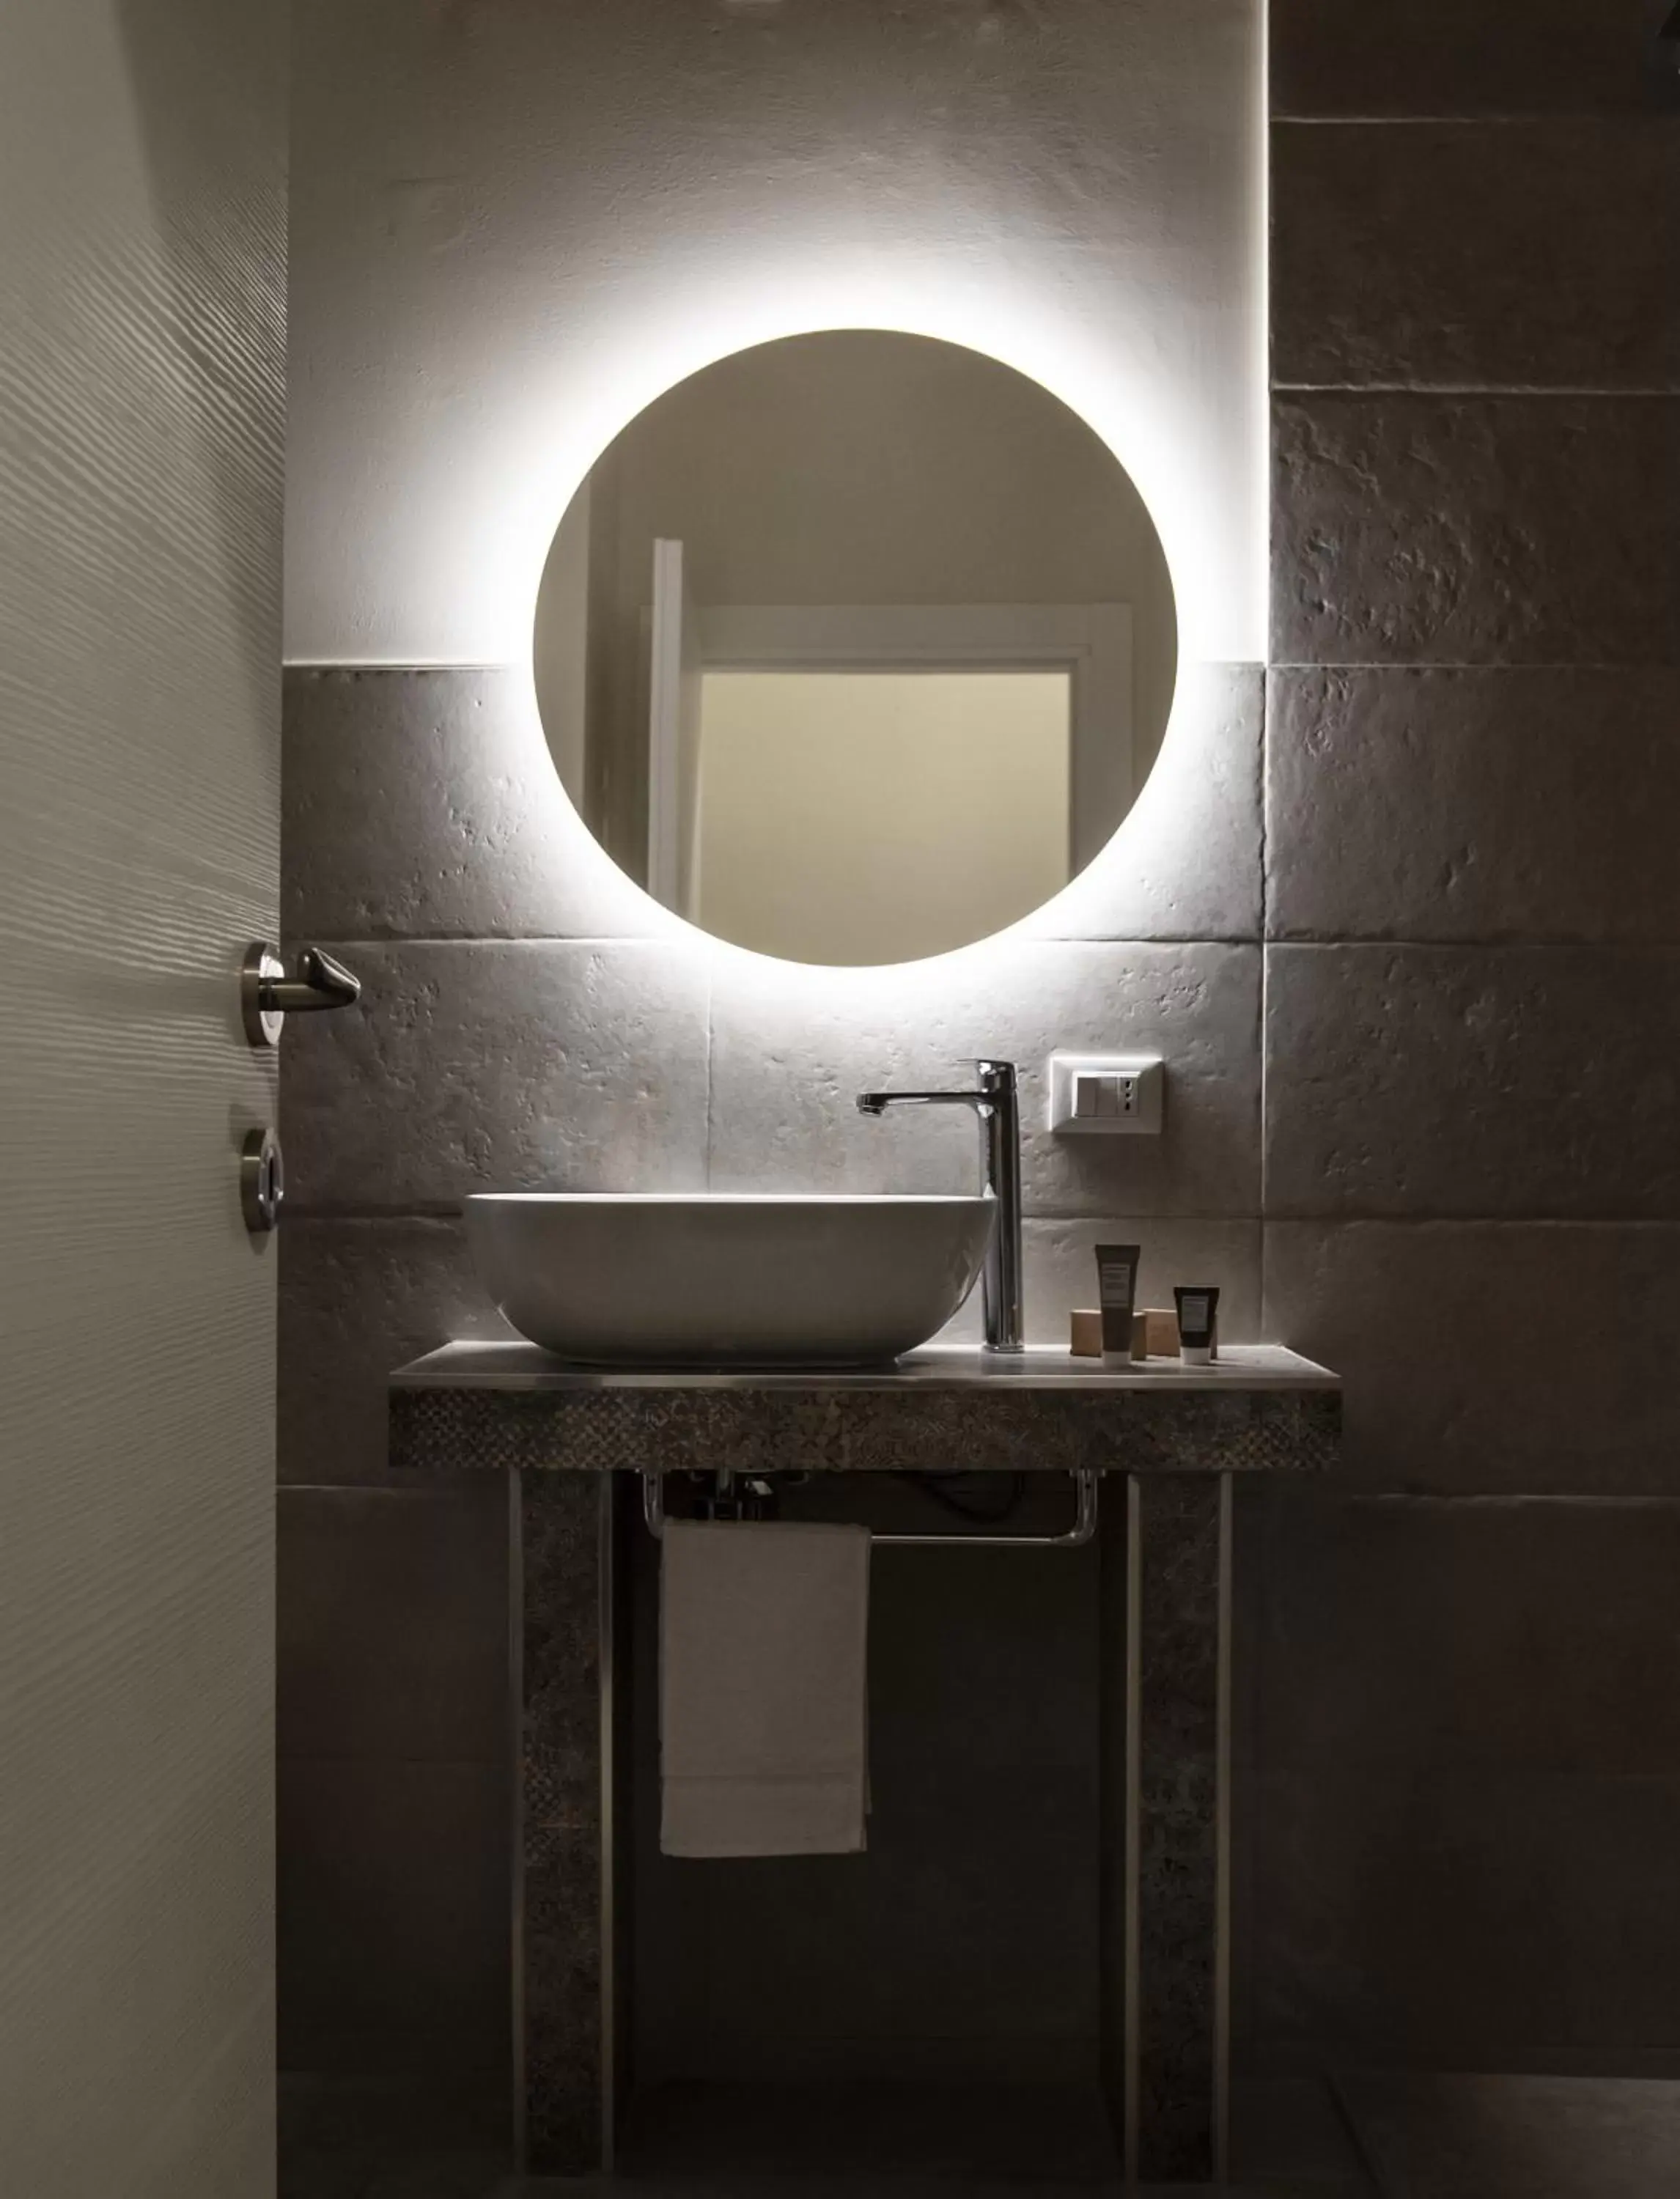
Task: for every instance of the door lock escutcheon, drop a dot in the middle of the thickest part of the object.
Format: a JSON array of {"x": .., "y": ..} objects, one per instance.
[{"x": 262, "y": 1180}]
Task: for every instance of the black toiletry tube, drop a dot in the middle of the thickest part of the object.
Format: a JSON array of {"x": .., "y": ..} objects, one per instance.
[
  {"x": 1117, "y": 1294},
  {"x": 1198, "y": 1307}
]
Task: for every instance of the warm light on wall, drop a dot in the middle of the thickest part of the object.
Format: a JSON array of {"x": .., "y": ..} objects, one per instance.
[{"x": 1152, "y": 431}]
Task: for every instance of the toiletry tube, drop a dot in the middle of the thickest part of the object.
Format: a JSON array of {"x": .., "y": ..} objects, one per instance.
[
  {"x": 1198, "y": 1323},
  {"x": 1117, "y": 1290}
]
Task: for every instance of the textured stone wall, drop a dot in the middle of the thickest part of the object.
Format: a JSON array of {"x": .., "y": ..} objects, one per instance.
[
  {"x": 511, "y": 225},
  {"x": 529, "y": 1019},
  {"x": 1414, "y": 959},
  {"x": 1465, "y": 1796}
]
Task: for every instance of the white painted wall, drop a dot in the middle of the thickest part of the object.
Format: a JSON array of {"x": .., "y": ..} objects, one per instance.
[
  {"x": 514, "y": 224},
  {"x": 143, "y": 271},
  {"x": 876, "y": 818}
]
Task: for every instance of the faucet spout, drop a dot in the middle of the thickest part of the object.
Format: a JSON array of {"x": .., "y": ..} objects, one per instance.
[{"x": 996, "y": 1102}]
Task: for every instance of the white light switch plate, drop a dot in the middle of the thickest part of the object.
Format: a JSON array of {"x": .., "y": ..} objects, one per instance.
[{"x": 1105, "y": 1094}]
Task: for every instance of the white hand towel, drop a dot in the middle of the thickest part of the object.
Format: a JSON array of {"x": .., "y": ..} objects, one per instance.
[{"x": 763, "y": 1688}]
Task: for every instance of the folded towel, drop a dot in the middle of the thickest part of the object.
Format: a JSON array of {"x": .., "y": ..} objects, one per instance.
[{"x": 763, "y": 1686}]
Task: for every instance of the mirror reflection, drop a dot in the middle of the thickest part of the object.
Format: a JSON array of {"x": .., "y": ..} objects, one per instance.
[{"x": 855, "y": 647}]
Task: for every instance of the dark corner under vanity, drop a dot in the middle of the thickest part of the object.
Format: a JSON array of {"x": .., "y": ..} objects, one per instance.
[{"x": 1154, "y": 1450}]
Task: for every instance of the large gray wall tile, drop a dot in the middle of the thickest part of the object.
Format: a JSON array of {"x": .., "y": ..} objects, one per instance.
[
  {"x": 928, "y": 1950},
  {"x": 358, "y": 1299},
  {"x": 1488, "y": 804},
  {"x": 425, "y": 803},
  {"x": 790, "y": 1054},
  {"x": 977, "y": 1660},
  {"x": 1539, "y": 1633},
  {"x": 1499, "y": 1357},
  {"x": 1475, "y": 530},
  {"x": 946, "y": 1951},
  {"x": 394, "y": 1898},
  {"x": 393, "y": 1622},
  {"x": 1059, "y": 1271},
  {"x": 1290, "y": 2131},
  {"x": 1487, "y": 57},
  {"x": 1540, "y": 256},
  {"x": 1185, "y": 862},
  {"x": 1059, "y": 1259},
  {"x": 1472, "y": 1081},
  {"x": 1447, "y": 1919},
  {"x": 514, "y": 1064}
]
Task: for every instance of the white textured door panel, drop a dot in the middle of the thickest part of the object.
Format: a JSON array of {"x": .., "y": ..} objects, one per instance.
[{"x": 142, "y": 311}]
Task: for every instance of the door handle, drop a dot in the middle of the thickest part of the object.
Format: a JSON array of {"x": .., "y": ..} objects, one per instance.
[{"x": 267, "y": 995}]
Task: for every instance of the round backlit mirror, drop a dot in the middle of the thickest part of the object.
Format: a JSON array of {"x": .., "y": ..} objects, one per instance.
[{"x": 855, "y": 647}]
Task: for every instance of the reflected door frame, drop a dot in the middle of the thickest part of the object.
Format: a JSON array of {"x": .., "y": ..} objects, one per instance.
[{"x": 1091, "y": 642}]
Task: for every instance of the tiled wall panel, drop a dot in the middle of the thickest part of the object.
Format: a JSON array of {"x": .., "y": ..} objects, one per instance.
[
  {"x": 1491, "y": 804},
  {"x": 1484, "y": 58},
  {"x": 1412, "y": 528},
  {"x": 1436, "y": 979},
  {"x": 1451, "y": 255},
  {"x": 528, "y": 1019},
  {"x": 1458, "y": 1766}
]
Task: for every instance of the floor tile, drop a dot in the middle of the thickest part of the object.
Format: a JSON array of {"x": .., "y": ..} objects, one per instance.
[{"x": 1517, "y": 2138}]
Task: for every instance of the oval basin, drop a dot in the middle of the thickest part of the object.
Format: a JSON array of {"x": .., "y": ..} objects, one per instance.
[{"x": 615, "y": 1280}]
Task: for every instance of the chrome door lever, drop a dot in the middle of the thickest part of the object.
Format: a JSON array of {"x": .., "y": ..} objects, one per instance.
[{"x": 267, "y": 995}]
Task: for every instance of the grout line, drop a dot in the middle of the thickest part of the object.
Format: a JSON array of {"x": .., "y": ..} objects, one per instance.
[
  {"x": 389, "y": 939},
  {"x": 1266, "y": 942},
  {"x": 515, "y": 1713},
  {"x": 400, "y": 1482},
  {"x": 1222, "y": 1840},
  {"x": 1607, "y": 118},
  {"x": 1265, "y": 500},
  {"x": 1148, "y": 939},
  {"x": 711, "y": 1084},
  {"x": 334, "y": 937},
  {"x": 1344, "y": 1492},
  {"x": 1642, "y": 668},
  {"x": 1234, "y": 941},
  {"x": 1527, "y": 391},
  {"x": 361, "y": 664},
  {"x": 298, "y": 1210},
  {"x": 607, "y": 1687},
  {"x": 1334, "y": 942},
  {"x": 1220, "y": 1217},
  {"x": 385, "y": 1756},
  {"x": 1132, "y": 1862}
]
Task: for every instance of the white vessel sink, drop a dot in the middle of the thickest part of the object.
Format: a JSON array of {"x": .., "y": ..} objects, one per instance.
[{"x": 614, "y": 1280}]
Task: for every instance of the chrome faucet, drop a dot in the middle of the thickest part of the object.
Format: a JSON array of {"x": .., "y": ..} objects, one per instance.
[{"x": 996, "y": 1104}]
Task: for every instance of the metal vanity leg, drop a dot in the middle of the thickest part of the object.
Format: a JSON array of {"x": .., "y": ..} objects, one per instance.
[
  {"x": 563, "y": 1952},
  {"x": 1173, "y": 1928}
]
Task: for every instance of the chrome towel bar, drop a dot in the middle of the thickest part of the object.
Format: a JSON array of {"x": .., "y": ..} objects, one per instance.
[{"x": 1084, "y": 1528}]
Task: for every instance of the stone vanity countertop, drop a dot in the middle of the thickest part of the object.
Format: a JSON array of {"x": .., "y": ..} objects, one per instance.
[
  {"x": 1257, "y": 1407},
  {"x": 514, "y": 1365}
]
